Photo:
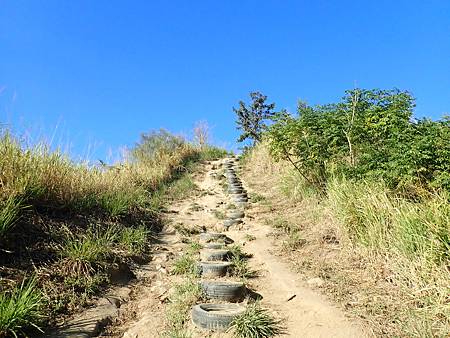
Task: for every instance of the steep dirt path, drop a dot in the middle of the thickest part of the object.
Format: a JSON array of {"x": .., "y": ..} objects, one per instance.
[{"x": 308, "y": 314}]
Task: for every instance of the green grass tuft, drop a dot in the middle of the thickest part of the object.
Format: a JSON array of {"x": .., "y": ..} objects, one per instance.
[
  {"x": 184, "y": 296},
  {"x": 240, "y": 267},
  {"x": 20, "y": 309},
  {"x": 134, "y": 240},
  {"x": 256, "y": 322},
  {"x": 82, "y": 253},
  {"x": 185, "y": 265},
  {"x": 9, "y": 213}
]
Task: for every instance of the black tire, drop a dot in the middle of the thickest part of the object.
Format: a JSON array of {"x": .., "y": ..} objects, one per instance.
[
  {"x": 229, "y": 222},
  {"x": 213, "y": 269},
  {"x": 236, "y": 214},
  {"x": 227, "y": 291},
  {"x": 215, "y": 255},
  {"x": 208, "y": 236},
  {"x": 213, "y": 245},
  {"x": 240, "y": 204},
  {"x": 240, "y": 194},
  {"x": 216, "y": 317}
]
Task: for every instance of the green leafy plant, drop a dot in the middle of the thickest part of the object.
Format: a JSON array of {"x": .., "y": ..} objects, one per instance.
[
  {"x": 369, "y": 134},
  {"x": 183, "y": 297},
  {"x": 249, "y": 237},
  {"x": 251, "y": 118},
  {"x": 240, "y": 267}
]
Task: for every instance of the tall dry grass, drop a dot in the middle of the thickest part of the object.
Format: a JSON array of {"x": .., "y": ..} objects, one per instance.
[
  {"x": 48, "y": 179},
  {"x": 401, "y": 283},
  {"x": 71, "y": 255}
]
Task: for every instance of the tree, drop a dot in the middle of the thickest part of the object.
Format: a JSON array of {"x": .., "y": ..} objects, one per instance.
[{"x": 251, "y": 118}]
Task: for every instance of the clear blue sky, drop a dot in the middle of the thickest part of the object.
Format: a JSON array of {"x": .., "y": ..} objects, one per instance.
[{"x": 104, "y": 71}]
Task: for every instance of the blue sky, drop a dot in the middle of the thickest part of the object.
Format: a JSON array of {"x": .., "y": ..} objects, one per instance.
[{"x": 97, "y": 73}]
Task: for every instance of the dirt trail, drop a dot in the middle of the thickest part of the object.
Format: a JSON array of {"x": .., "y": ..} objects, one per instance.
[{"x": 308, "y": 314}]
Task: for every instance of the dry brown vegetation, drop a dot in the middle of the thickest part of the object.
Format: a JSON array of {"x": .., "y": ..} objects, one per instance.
[
  {"x": 363, "y": 242},
  {"x": 65, "y": 225}
]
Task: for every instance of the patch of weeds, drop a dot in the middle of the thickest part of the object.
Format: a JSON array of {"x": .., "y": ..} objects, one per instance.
[
  {"x": 194, "y": 248},
  {"x": 184, "y": 296},
  {"x": 185, "y": 265},
  {"x": 134, "y": 240},
  {"x": 185, "y": 230},
  {"x": 236, "y": 252},
  {"x": 195, "y": 207},
  {"x": 82, "y": 253},
  {"x": 256, "y": 322},
  {"x": 209, "y": 153},
  {"x": 280, "y": 223},
  {"x": 181, "y": 188},
  {"x": 116, "y": 203},
  {"x": 219, "y": 214},
  {"x": 231, "y": 206},
  {"x": 249, "y": 237},
  {"x": 177, "y": 333},
  {"x": 255, "y": 197},
  {"x": 20, "y": 309},
  {"x": 240, "y": 267},
  {"x": 294, "y": 241},
  {"x": 83, "y": 287}
]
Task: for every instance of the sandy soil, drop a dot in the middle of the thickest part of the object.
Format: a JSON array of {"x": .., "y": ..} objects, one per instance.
[{"x": 305, "y": 311}]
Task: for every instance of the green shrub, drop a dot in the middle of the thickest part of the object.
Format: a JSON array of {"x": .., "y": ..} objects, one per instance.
[
  {"x": 240, "y": 267},
  {"x": 369, "y": 134}
]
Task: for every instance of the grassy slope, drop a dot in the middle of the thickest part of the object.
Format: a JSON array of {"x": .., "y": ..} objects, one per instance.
[
  {"x": 383, "y": 257},
  {"x": 63, "y": 223}
]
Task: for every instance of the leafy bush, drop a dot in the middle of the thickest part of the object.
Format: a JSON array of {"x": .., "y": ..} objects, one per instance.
[
  {"x": 369, "y": 134},
  {"x": 209, "y": 153},
  {"x": 154, "y": 143},
  {"x": 251, "y": 118}
]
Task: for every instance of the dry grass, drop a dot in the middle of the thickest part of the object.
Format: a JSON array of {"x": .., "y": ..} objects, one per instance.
[
  {"x": 385, "y": 259},
  {"x": 49, "y": 179},
  {"x": 67, "y": 221}
]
